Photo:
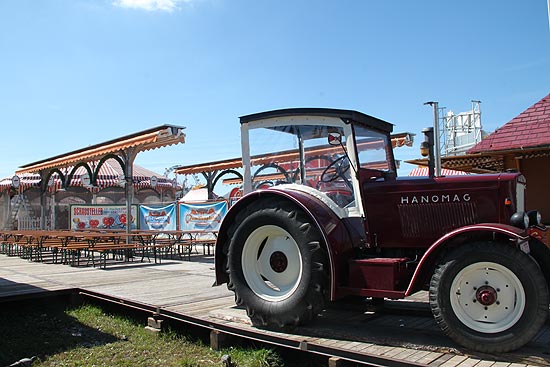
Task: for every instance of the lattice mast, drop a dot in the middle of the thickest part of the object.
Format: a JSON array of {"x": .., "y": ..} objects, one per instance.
[{"x": 459, "y": 132}]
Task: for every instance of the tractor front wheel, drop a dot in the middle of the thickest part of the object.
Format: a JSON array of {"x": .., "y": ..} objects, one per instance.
[{"x": 489, "y": 297}]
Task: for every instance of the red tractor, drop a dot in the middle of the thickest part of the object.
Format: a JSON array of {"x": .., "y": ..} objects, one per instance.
[{"x": 326, "y": 217}]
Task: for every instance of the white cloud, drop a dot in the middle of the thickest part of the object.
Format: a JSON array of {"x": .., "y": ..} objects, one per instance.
[{"x": 150, "y": 5}]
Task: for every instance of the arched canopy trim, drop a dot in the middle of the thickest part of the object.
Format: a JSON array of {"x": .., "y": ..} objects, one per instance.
[{"x": 106, "y": 175}]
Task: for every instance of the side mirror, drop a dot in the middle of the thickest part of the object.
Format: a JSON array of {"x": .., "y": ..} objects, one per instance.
[{"x": 335, "y": 139}]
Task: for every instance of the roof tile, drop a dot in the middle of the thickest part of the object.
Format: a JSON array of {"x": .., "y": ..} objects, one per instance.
[{"x": 530, "y": 128}]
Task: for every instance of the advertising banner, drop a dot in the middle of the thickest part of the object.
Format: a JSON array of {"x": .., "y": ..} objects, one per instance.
[
  {"x": 201, "y": 216},
  {"x": 101, "y": 217},
  {"x": 157, "y": 217}
]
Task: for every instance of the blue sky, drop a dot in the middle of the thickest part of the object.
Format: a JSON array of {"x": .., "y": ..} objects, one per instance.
[{"x": 80, "y": 72}]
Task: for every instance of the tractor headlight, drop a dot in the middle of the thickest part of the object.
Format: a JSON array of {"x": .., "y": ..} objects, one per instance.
[
  {"x": 535, "y": 219},
  {"x": 520, "y": 220}
]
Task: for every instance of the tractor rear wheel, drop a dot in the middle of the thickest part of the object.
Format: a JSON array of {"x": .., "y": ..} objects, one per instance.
[{"x": 276, "y": 264}]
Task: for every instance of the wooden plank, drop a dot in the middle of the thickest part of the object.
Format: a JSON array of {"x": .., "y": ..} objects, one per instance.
[
  {"x": 469, "y": 362},
  {"x": 454, "y": 361},
  {"x": 352, "y": 346},
  {"x": 340, "y": 344},
  {"x": 384, "y": 350},
  {"x": 485, "y": 364},
  {"x": 442, "y": 359},
  {"x": 420, "y": 354},
  {"x": 407, "y": 354},
  {"x": 375, "y": 349},
  {"x": 396, "y": 351},
  {"x": 365, "y": 346},
  {"x": 429, "y": 358},
  {"x": 329, "y": 343}
]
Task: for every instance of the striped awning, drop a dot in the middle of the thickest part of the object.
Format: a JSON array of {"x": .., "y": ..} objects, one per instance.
[
  {"x": 108, "y": 176},
  {"x": 25, "y": 181},
  {"x": 424, "y": 171},
  {"x": 5, "y": 184}
]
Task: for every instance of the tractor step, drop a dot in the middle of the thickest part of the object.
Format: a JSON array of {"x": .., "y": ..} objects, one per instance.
[{"x": 378, "y": 273}]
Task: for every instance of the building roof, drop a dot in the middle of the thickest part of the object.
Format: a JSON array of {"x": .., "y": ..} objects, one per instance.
[
  {"x": 161, "y": 136},
  {"x": 490, "y": 162},
  {"x": 530, "y": 129}
]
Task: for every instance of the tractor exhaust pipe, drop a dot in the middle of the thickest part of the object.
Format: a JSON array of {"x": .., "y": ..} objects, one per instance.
[{"x": 427, "y": 149}]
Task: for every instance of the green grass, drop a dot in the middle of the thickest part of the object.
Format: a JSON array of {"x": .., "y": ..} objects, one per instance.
[{"x": 88, "y": 336}]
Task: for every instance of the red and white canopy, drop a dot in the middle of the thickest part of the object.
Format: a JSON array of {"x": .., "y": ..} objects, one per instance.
[
  {"x": 109, "y": 176},
  {"x": 424, "y": 171}
]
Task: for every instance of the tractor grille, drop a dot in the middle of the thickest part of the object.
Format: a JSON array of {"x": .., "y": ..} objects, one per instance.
[{"x": 427, "y": 220}]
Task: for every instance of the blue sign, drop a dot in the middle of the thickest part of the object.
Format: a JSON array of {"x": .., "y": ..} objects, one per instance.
[
  {"x": 157, "y": 218},
  {"x": 202, "y": 216}
]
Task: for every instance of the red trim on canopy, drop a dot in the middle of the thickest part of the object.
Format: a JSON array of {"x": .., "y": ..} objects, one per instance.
[
  {"x": 424, "y": 171},
  {"x": 109, "y": 176}
]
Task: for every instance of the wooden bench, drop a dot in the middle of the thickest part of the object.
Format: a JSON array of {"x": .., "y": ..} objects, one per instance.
[
  {"x": 170, "y": 243},
  {"x": 125, "y": 250}
]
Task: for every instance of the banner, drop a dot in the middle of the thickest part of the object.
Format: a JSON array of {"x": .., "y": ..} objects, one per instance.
[
  {"x": 201, "y": 216},
  {"x": 156, "y": 217},
  {"x": 101, "y": 217}
]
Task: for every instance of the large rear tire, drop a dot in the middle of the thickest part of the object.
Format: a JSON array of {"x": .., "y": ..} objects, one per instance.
[
  {"x": 276, "y": 265},
  {"x": 489, "y": 297}
]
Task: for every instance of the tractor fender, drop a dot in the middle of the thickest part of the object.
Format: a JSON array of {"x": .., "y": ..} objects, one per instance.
[
  {"x": 332, "y": 228},
  {"x": 424, "y": 270}
]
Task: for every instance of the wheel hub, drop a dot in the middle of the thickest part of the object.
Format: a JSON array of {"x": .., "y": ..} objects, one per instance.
[
  {"x": 278, "y": 261},
  {"x": 486, "y": 295}
]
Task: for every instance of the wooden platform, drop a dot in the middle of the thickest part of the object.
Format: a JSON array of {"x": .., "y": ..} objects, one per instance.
[{"x": 185, "y": 288}]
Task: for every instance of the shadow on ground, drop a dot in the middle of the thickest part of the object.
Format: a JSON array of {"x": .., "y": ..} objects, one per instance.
[{"x": 41, "y": 328}]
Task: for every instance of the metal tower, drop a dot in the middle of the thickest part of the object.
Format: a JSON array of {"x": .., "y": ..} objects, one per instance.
[{"x": 460, "y": 132}]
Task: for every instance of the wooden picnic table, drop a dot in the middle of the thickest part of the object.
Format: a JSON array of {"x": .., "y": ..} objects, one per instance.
[
  {"x": 68, "y": 246},
  {"x": 192, "y": 238},
  {"x": 178, "y": 242},
  {"x": 118, "y": 243}
]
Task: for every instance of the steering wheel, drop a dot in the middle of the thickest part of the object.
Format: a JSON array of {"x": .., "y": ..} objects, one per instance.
[{"x": 336, "y": 169}]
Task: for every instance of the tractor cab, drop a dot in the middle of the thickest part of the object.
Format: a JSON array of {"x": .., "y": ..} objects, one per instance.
[{"x": 327, "y": 153}]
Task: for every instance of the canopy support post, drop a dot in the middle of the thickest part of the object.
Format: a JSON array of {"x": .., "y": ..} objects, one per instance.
[{"x": 129, "y": 156}]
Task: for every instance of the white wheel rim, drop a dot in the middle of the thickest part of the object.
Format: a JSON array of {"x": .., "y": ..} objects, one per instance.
[
  {"x": 265, "y": 245},
  {"x": 504, "y": 302}
]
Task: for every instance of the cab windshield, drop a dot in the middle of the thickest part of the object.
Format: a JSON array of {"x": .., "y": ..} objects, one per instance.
[
  {"x": 301, "y": 154},
  {"x": 373, "y": 150}
]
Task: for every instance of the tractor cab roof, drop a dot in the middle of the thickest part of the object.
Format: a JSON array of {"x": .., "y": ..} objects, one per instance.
[{"x": 347, "y": 116}]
